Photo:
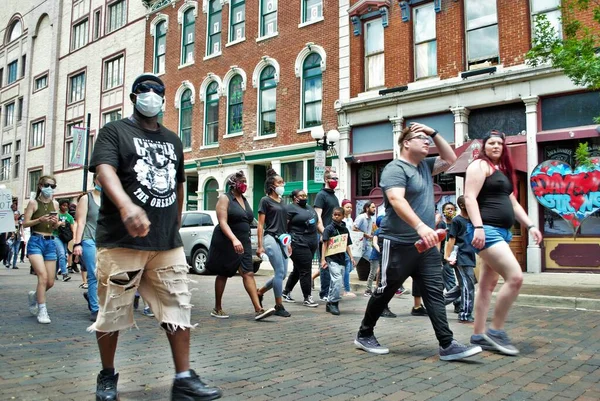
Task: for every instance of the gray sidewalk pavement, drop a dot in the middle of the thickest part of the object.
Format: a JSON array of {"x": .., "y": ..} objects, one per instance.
[{"x": 309, "y": 356}]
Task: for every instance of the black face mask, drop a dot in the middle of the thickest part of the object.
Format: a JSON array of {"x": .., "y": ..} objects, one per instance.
[{"x": 301, "y": 202}]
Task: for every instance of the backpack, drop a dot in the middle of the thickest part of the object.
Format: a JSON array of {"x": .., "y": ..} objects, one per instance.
[{"x": 65, "y": 233}]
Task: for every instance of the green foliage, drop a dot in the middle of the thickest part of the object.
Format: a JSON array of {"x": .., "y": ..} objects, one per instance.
[
  {"x": 577, "y": 52},
  {"x": 582, "y": 156}
]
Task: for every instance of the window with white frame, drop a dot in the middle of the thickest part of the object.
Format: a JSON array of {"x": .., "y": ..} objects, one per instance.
[
  {"x": 113, "y": 72},
  {"x": 5, "y": 174},
  {"x": 211, "y": 119},
  {"x": 16, "y": 166},
  {"x": 551, "y": 10},
  {"x": 77, "y": 88},
  {"x": 37, "y": 134},
  {"x": 13, "y": 69},
  {"x": 425, "y": 41},
  {"x": 267, "y": 101},
  {"x": 185, "y": 119},
  {"x": 79, "y": 36},
  {"x": 312, "y": 10},
  {"x": 312, "y": 91},
  {"x": 235, "y": 107},
  {"x": 268, "y": 17},
  {"x": 34, "y": 178},
  {"x": 9, "y": 114},
  {"x": 374, "y": 55},
  {"x": 111, "y": 116},
  {"x": 237, "y": 20},
  {"x": 482, "y": 31},
  {"x": 213, "y": 42},
  {"x": 160, "y": 47},
  {"x": 40, "y": 82},
  {"x": 188, "y": 34},
  {"x": 7, "y": 149},
  {"x": 117, "y": 15}
]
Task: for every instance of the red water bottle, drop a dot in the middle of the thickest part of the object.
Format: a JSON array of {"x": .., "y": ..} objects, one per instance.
[{"x": 422, "y": 247}]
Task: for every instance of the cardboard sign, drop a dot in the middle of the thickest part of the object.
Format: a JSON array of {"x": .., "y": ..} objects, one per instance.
[
  {"x": 573, "y": 195},
  {"x": 7, "y": 219},
  {"x": 337, "y": 244},
  {"x": 358, "y": 246}
]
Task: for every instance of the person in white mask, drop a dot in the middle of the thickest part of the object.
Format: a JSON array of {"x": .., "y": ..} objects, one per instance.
[{"x": 139, "y": 164}]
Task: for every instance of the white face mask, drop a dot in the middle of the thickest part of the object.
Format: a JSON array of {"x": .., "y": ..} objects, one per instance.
[
  {"x": 148, "y": 104},
  {"x": 280, "y": 190}
]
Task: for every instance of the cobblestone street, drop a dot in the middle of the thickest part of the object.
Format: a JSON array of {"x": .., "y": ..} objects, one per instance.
[{"x": 309, "y": 356}]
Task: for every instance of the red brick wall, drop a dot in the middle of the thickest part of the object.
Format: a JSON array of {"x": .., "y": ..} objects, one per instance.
[{"x": 246, "y": 55}]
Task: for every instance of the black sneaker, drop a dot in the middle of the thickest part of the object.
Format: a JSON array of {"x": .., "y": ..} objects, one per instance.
[
  {"x": 87, "y": 299},
  {"x": 280, "y": 311},
  {"x": 420, "y": 311},
  {"x": 192, "y": 388},
  {"x": 136, "y": 302},
  {"x": 93, "y": 316},
  {"x": 288, "y": 298},
  {"x": 388, "y": 313},
  {"x": 66, "y": 277},
  {"x": 106, "y": 387},
  {"x": 370, "y": 344},
  {"x": 457, "y": 308},
  {"x": 260, "y": 299}
]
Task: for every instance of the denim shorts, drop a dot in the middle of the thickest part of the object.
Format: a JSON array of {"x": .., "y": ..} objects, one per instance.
[
  {"x": 37, "y": 245},
  {"x": 493, "y": 235}
]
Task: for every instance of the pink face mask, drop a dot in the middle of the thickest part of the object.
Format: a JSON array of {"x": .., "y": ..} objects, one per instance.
[{"x": 242, "y": 187}]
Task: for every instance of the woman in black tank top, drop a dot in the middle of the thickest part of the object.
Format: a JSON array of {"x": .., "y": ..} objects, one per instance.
[
  {"x": 490, "y": 189},
  {"x": 231, "y": 248}
]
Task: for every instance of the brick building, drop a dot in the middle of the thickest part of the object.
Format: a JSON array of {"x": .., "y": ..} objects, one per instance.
[
  {"x": 459, "y": 66},
  {"x": 246, "y": 83}
]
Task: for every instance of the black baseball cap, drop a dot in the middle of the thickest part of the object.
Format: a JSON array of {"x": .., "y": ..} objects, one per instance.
[{"x": 146, "y": 77}]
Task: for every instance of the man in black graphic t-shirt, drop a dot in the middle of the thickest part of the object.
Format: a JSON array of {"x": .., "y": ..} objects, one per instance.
[{"x": 139, "y": 164}]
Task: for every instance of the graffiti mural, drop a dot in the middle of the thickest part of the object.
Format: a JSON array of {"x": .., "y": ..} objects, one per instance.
[{"x": 573, "y": 195}]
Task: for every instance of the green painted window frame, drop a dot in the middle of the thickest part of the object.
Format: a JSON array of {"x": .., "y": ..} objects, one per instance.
[
  {"x": 267, "y": 16},
  {"x": 235, "y": 101},
  {"x": 214, "y": 35},
  {"x": 160, "y": 35},
  {"x": 207, "y": 191},
  {"x": 236, "y": 7},
  {"x": 212, "y": 100},
  {"x": 311, "y": 72},
  {"x": 189, "y": 26},
  {"x": 267, "y": 83},
  {"x": 185, "y": 114}
]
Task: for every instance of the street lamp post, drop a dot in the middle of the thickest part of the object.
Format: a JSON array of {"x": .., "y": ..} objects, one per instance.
[{"x": 325, "y": 141}]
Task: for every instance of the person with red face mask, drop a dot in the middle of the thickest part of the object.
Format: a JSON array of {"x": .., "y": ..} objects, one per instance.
[{"x": 230, "y": 247}]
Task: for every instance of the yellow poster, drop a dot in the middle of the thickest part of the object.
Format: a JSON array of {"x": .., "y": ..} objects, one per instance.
[{"x": 337, "y": 244}]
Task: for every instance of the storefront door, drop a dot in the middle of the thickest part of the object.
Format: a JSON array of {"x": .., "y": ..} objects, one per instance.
[{"x": 518, "y": 245}]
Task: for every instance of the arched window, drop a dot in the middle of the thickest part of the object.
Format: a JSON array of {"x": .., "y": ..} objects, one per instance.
[
  {"x": 312, "y": 91},
  {"x": 188, "y": 36},
  {"x": 211, "y": 194},
  {"x": 235, "y": 105},
  {"x": 185, "y": 119},
  {"x": 15, "y": 30},
  {"x": 160, "y": 47},
  {"x": 211, "y": 120},
  {"x": 267, "y": 101}
]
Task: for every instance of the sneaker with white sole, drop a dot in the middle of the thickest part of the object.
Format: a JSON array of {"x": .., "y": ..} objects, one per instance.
[
  {"x": 499, "y": 340},
  {"x": 309, "y": 301},
  {"x": 456, "y": 351},
  {"x": 478, "y": 339},
  {"x": 370, "y": 344},
  {"x": 43, "y": 317},
  {"x": 148, "y": 312},
  {"x": 324, "y": 299},
  {"x": 287, "y": 297},
  {"x": 219, "y": 314},
  {"x": 263, "y": 314},
  {"x": 33, "y": 305}
]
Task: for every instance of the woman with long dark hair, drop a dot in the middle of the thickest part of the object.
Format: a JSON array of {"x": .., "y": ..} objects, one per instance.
[
  {"x": 490, "y": 198},
  {"x": 231, "y": 248},
  {"x": 302, "y": 226},
  {"x": 272, "y": 224},
  {"x": 41, "y": 215}
]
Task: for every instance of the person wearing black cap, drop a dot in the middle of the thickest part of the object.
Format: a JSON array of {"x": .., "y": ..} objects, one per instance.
[{"x": 139, "y": 164}]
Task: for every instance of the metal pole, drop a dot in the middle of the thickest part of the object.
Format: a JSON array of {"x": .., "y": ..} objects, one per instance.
[{"x": 85, "y": 148}]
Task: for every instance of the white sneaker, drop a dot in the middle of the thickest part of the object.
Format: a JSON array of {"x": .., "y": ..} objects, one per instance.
[
  {"x": 43, "y": 316},
  {"x": 33, "y": 307}
]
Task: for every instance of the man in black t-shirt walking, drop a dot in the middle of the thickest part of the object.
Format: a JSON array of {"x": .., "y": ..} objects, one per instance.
[
  {"x": 325, "y": 202},
  {"x": 139, "y": 164}
]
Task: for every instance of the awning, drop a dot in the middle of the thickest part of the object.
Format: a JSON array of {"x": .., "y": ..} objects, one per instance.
[{"x": 517, "y": 145}]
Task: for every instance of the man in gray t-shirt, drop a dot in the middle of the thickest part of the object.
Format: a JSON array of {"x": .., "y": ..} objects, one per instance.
[{"x": 409, "y": 216}]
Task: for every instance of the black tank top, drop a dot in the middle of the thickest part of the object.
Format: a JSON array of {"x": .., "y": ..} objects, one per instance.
[{"x": 494, "y": 201}]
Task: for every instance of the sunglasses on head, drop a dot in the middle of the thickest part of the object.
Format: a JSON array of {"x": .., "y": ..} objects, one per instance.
[
  {"x": 146, "y": 87},
  {"x": 47, "y": 185},
  {"x": 497, "y": 134}
]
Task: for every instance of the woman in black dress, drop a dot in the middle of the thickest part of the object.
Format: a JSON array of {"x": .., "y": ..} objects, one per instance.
[
  {"x": 231, "y": 249},
  {"x": 302, "y": 225}
]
